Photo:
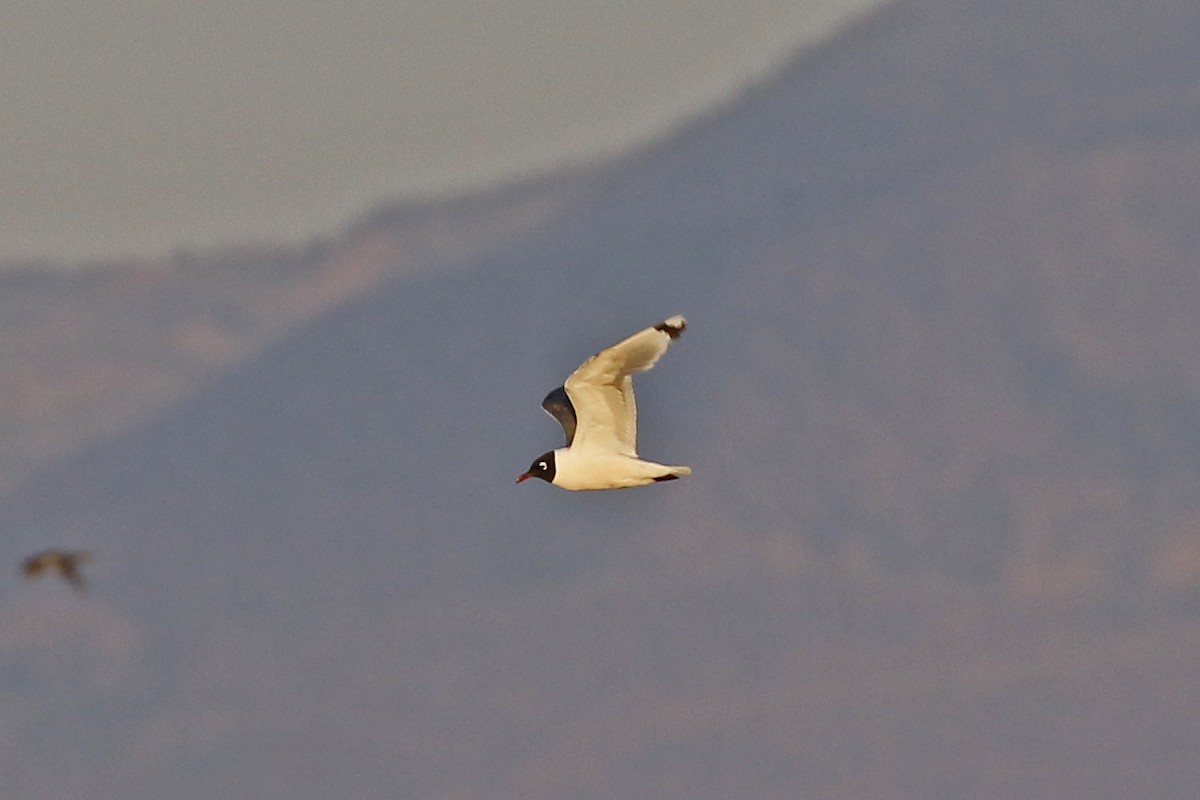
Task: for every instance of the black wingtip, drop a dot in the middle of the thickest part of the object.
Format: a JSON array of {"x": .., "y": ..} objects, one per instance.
[
  {"x": 662, "y": 478},
  {"x": 672, "y": 326}
]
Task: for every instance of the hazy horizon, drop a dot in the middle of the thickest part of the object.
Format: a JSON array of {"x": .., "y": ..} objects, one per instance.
[
  {"x": 940, "y": 390},
  {"x": 134, "y": 129}
]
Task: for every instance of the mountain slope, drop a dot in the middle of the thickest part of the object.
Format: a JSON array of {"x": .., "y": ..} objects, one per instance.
[{"x": 939, "y": 389}]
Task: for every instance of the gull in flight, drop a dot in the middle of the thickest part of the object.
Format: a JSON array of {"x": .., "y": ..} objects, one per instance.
[
  {"x": 599, "y": 416},
  {"x": 64, "y": 562}
]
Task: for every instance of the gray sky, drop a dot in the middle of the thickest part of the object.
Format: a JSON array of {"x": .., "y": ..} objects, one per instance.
[{"x": 132, "y": 126}]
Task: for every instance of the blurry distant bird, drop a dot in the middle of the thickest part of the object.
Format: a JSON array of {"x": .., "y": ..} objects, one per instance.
[
  {"x": 66, "y": 562},
  {"x": 597, "y": 412}
]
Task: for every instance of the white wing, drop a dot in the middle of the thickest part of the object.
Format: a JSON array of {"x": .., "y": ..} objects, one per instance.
[{"x": 602, "y": 388}]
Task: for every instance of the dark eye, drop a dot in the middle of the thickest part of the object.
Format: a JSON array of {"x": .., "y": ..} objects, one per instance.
[{"x": 542, "y": 465}]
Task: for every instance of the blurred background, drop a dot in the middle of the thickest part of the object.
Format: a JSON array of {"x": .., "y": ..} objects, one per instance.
[{"x": 281, "y": 294}]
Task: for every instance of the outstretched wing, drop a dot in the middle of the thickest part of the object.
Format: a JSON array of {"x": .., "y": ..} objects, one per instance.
[
  {"x": 34, "y": 565},
  {"x": 558, "y": 405},
  {"x": 601, "y": 390}
]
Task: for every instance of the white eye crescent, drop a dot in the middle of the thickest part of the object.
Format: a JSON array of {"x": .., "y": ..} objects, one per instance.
[{"x": 543, "y": 465}]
